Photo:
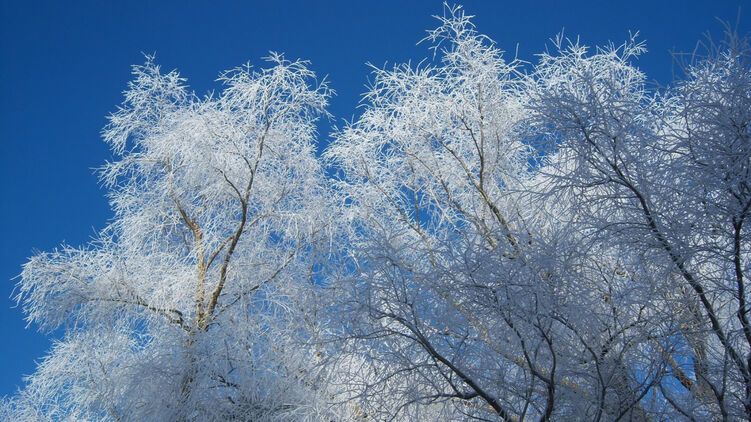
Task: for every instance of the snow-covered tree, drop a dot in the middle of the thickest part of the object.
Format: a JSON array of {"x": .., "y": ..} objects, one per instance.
[
  {"x": 447, "y": 284},
  {"x": 666, "y": 177},
  {"x": 188, "y": 305},
  {"x": 498, "y": 242}
]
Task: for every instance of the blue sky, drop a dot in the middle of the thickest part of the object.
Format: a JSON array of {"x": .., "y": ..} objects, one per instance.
[{"x": 64, "y": 65}]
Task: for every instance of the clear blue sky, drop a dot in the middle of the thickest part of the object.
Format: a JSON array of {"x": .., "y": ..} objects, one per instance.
[{"x": 64, "y": 65}]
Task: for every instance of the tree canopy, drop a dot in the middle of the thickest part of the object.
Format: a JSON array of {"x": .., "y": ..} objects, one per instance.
[{"x": 487, "y": 240}]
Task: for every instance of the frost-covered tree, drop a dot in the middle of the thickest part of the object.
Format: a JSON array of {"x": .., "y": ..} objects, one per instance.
[
  {"x": 666, "y": 177},
  {"x": 191, "y": 304},
  {"x": 560, "y": 245},
  {"x": 499, "y": 242},
  {"x": 453, "y": 303}
]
